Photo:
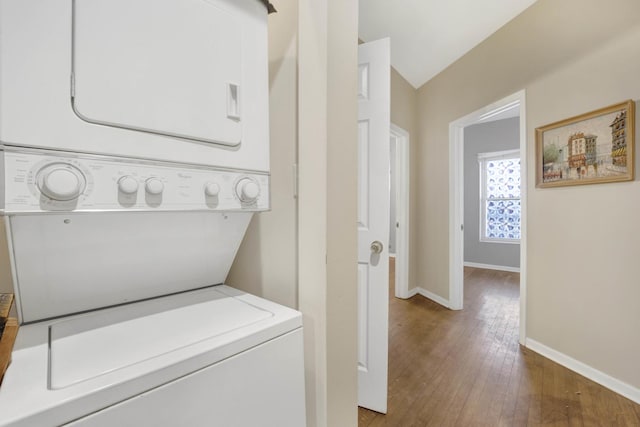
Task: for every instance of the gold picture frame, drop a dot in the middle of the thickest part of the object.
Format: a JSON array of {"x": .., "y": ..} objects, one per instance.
[{"x": 591, "y": 148}]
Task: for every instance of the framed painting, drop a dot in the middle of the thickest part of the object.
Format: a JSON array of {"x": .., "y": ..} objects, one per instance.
[{"x": 592, "y": 148}]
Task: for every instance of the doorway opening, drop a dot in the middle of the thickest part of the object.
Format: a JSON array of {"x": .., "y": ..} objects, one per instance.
[
  {"x": 399, "y": 203},
  {"x": 511, "y": 104}
]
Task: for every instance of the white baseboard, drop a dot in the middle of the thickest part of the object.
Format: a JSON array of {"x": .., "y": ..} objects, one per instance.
[
  {"x": 492, "y": 267},
  {"x": 430, "y": 295},
  {"x": 412, "y": 292},
  {"x": 620, "y": 387}
]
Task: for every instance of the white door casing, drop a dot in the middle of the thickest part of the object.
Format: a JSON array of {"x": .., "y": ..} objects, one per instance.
[
  {"x": 456, "y": 200},
  {"x": 401, "y": 137},
  {"x": 373, "y": 222}
]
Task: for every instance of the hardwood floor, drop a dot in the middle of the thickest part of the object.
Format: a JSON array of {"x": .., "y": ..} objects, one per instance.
[{"x": 466, "y": 368}]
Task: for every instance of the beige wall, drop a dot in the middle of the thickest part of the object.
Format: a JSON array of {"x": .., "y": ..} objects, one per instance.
[
  {"x": 404, "y": 103},
  {"x": 6, "y": 278},
  {"x": 327, "y": 114},
  {"x": 404, "y": 100},
  {"x": 584, "y": 275},
  {"x": 266, "y": 261},
  {"x": 327, "y": 83},
  {"x": 312, "y": 265},
  {"x": 570, "y": 56},
  {"x": 342, "y": 195}
]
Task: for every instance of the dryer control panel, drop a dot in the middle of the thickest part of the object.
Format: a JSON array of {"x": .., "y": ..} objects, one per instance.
[{"x": 46, "y": 180}]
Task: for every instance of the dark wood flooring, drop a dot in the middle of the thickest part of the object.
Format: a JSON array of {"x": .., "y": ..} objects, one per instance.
[{"x": 466, "y": 368}]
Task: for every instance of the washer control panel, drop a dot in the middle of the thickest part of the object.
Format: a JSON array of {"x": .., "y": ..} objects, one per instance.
[{"x": 37, "y": 180}]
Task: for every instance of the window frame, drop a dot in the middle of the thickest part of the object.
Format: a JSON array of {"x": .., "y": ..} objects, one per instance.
[{"x": 483, "y": 159}]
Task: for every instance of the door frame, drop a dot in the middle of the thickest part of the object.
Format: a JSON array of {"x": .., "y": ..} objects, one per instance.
[
  {"x": 456, "y": 200},
  {"x": 402, "y": 168}
]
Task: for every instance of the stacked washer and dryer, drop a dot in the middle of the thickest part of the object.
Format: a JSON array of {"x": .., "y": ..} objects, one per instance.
[{"x": 134, "y": 152}]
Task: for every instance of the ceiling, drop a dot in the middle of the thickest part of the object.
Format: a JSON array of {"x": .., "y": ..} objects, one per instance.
[{"x": 429, "y": 35}]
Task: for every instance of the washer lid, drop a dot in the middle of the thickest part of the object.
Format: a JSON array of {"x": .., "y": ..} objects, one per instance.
[
  {"x": 234, "y": 322},
  {"x": 171, "y": 67},
  {"x": 97, "y": 343}
]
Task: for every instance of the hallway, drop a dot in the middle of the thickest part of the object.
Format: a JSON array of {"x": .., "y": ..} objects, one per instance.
[{"x": 466, "y": 368}]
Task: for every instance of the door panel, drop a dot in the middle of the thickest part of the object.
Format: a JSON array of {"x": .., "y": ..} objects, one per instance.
[
  {"x": 363, "y": 317},
  {"x": 373, "y": 223},
  {"x": 363, "y": 174},
  {"x": 165, "y": 66}
]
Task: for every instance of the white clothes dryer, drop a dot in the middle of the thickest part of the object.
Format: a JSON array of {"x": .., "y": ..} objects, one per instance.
[{"x": 175, "y": 80}]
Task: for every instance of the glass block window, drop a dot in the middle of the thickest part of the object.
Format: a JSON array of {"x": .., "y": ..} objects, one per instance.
[{"x": 500, "y": 196}]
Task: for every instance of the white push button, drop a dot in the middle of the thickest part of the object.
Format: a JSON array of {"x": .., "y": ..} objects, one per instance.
[
  {"x": 154, "y": 186},
  {"x": 128, "y": 184},
  {"x": 211, "y": 189},
  {"x": 247, "y": 190}
]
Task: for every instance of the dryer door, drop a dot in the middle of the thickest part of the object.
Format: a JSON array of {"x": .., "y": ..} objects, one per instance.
[{"x": 169, "y": 67}]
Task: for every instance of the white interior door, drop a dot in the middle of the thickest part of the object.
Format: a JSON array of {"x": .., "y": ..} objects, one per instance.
[{"x": 373, "y": 223}]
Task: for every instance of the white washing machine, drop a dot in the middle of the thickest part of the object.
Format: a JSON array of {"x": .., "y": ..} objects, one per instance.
[
  {"x": 124, "y": 318},
  {"x": 134, "y": 153}
]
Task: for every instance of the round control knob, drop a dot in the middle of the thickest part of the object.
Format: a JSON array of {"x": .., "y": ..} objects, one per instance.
[
  {"x": 61, "y": 181},
  {"x": 128, "y": 184},
  {"x": 154, "y": 186},
  {"x": 211, "y": 189},
  {"x": 247, "y": 190}
]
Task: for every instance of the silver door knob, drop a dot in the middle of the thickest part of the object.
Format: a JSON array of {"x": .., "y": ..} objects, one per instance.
[{"x": 376, "y": 247}]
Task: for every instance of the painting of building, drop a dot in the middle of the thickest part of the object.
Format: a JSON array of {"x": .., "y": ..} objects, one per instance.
[
  {"x": 582, "y": 151},
  {"x": 593, "y": 147},
  {"x": 619, "y": 140}
]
